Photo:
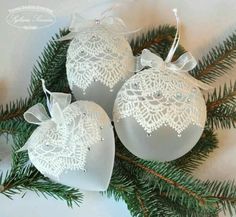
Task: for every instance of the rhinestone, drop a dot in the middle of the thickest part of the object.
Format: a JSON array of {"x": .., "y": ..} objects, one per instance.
[
  {"x": 188, "y": 100},
  {"x": 149, "y": 135},
  {"x": 101, "y": 127},
  {"x": 102, "y": 139},
  {"x": 97, "y": 21},
  {"x": 82, "y": 51}
]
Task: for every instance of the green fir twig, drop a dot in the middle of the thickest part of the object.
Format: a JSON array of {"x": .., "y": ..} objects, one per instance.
[
  {"x": 221, "y": 107},
  {"x": 217, "y": 62}
]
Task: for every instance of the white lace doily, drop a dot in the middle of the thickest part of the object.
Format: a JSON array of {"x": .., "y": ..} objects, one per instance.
[
  {"x": 98, "y": 54},
  {"x": 54, "y": 148},
  {"x": 160, "y": 98}
]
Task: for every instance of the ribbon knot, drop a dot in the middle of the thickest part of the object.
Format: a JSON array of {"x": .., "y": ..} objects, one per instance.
[{"x": 181, "y": 66}]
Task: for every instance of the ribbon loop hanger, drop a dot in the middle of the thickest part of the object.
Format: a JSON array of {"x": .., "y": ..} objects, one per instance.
[{"x": 181, "y": 66}]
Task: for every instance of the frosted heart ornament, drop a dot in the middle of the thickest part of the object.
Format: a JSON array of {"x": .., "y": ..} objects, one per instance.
[
  {"x": 75, "y": 146},
  {"x": 99, "y": 60},
  {"x": 160, "y": 112}
]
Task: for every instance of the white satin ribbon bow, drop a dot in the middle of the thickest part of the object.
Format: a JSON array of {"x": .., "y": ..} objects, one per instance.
[
  {"x": 113, "y": 23},
  {"x": 181, "y": 66}
]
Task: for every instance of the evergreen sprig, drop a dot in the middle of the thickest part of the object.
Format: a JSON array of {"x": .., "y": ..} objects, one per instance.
[
  {"x": 28, "y": 178},
  {"x": 225, "y": 193},
  {"x": 174, "y": 183},
  {"x": 221, "y": 107},
  {"x": 158, "y": 40},
  {"x": 217, "y": 62}
]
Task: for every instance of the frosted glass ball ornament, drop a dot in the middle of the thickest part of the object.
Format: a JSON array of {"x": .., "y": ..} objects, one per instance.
[
  {"x": 77, "y": 151},
  {"x": 99, "y": 61},
  {"x": 158, "y": 115}
]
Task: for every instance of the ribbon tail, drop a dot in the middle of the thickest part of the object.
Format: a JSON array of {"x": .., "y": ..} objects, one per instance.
[
  {"x": 24, "y": 148},
  {"x": 138, "y": 66}
]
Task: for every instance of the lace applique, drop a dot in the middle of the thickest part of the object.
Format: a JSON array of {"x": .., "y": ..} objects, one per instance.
[
  {"x": 160, "y": 98},
  {"x": 54, "y": 148},
  {"x": 98, "y": 55}
]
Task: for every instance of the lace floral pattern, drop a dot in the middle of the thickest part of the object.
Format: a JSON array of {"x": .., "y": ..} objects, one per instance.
[
  {"x": 98, "y": 55},
  {"x": 56, "y": 147},
  {"x": 160, "y": 98}
]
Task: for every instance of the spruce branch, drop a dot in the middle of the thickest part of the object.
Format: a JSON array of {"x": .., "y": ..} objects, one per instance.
[
  {"x": 221, "y": 107},
  {"x": 161, "y": 205},
  {"x": 13, "y": 109},
  {"x": 196, "y": 197},
  {"x": 217, "y": 62},
  {"x": 158, "y": 40},
  {"x": 15, "y": 127},
  {"x": 174, "y": 183},
  {"x": 148, "y": 168},
  {"x": 29, "y": 178},
  {"x": 158, "y": 183},
  {"x": 225, "y": 194}
]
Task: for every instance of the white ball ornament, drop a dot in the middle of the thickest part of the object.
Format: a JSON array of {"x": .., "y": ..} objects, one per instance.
[
  {"x": 75, "y": 146},
  {"x": 99, "y": 60},
  {"x": 160, "y": 113}
]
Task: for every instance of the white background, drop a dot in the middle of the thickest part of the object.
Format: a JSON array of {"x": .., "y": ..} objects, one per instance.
[{"x": 204, "y": 24}]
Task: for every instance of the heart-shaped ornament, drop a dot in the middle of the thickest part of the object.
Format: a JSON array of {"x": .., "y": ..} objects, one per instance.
[{"x": 75, "y": 146}]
